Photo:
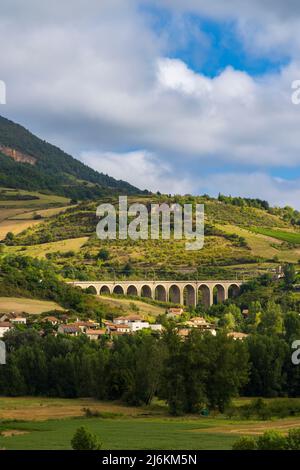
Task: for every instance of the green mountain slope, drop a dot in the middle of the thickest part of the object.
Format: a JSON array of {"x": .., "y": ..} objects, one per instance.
[{"x": 27, "y": 162}]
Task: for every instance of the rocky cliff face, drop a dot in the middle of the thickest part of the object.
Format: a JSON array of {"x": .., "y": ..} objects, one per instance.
[{"x": 17, "y": 156}]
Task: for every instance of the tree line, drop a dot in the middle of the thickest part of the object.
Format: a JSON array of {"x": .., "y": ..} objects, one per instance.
[{"x": 200, "y": 372}]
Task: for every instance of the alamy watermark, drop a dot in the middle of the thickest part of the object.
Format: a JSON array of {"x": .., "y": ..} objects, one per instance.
[
  {"x": 296, "y": 353},
  {"x": 2, "y": 92},
  {"x": 296, "y": 93},
  {"x": 2, "y": 353},
  {"x": 143, "y": 222}
]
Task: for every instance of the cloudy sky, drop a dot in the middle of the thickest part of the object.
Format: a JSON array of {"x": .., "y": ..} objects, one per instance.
[{"x": 181, "y": 96}]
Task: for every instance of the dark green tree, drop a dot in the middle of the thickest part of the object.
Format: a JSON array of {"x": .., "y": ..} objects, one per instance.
[
  {"x": 289, "y": 275},
  {"x": 85, "y": 440}
]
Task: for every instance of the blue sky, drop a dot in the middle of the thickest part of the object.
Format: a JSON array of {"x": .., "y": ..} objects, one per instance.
[
  {"x": 181, "y": 96},
  {"x": 209, "y": 46}
]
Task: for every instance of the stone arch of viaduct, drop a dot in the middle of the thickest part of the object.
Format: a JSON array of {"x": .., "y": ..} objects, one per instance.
[{"x": 188, "y": 293}]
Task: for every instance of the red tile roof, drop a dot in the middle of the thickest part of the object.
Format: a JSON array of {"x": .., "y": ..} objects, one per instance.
[
  {"x": 5, "y": 324},
  {"x": 96, "y": 332}
]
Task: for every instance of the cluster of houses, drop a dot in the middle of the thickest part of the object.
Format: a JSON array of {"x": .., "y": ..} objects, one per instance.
[
  {"x": 9, "y": 321},
  {"x": 184, "y": 328},
  {"x": 119, "y": 326},
  {"x": 200, "y": 323},
  {"x": 122, "y": 325}
]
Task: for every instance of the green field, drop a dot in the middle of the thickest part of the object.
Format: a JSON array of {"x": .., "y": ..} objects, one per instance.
[
  {"x": 290, "y": 237},
  {"x": 263, "y": 245},
  {"x": 40, "y": 251},
  {"x": 41, "y": 201},
  {"x": 117, "y": 434},
  {"x": 25, "y": 424}
]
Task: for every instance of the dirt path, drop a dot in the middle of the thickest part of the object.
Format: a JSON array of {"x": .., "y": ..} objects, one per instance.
[{"x": 256, "y": 428}]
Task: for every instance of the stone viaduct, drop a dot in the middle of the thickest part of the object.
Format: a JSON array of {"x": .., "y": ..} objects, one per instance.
[{"x": 188, "y": 293}]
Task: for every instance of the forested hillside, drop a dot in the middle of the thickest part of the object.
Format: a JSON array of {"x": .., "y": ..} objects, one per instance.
[{"x": 27, "y": 162}]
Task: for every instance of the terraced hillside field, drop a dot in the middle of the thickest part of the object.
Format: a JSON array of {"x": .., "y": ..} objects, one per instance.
[
  {"x": 20, "y": 210},
  {"x": 239, "y": 241}
]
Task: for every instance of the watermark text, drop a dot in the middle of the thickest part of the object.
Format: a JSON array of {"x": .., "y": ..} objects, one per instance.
[{"x": 143, "y": 222}]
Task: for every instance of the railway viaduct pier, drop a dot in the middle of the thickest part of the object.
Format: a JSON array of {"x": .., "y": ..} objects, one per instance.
[{"x": 188, "y": 293}]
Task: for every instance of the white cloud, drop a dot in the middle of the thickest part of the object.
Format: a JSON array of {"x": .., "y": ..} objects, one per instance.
[
  {"x": 141, "y": 169},
  {"x": 174, "y": 74},
  {"x": 103, "y": 82},
  {"x": 145, "y": 170}
]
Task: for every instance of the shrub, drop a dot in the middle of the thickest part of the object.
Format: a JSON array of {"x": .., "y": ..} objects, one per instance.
[
  {"x": 245, "y": 443},
  {"x": 293, "y": 439},
  {"x": 261, "y": 409},
  {"x": 272, "y": 440},
  {"x": 91, "y": 413},
  {"x": 85, "y": 440},
  {"x": 103, "y": 254},
  {"x": 246, "y": 411},
  {"x": 231, "y": 411}
]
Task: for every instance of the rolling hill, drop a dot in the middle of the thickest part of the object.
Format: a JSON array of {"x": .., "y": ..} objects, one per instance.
[
  {"x": 29, "y": 163},
  {"x": 241, "y": 241},
  {"x": 243, "y": 237}
]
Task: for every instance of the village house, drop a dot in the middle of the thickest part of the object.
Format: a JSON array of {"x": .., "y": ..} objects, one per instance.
[
  {"x": 85, "y": 325},
  {"x": 237, "y": 335},
  {"x": 127, "y": 319},
  {"x": 183, "y": 332},
  {"x": 4, "y": 328},
  {"x": 111, "y": 328},
  {"x": 138, "y": 325},
  {"x": 156, "y": 327},
  {"x": 201, "y": 324},
  {"x": 95, "y": 334},
  {"x": 174, "y": 312},
  {"x": 122, "y": 328},
  {"x": 108, "y": 324},
  {"x": 53, "y": 320},
  {"x": 69, "y": 329},
  {"x": 133, "y": 322},
  {"x": 19, "y": 320},
  {"x": 12, "y": 316}
]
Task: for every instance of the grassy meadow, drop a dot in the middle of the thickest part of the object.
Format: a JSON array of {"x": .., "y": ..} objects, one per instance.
[
  {"x": 31, "y": 306},
  {"x": 285, "y": 236},
  {"x": 18, "y": 215},
  {"x": 130, "y": 305},
  {"x": 40, "y": 251},
  {"x": 35, "y": 200},
  {"x": 265, "y": 243},
  {"x": 46, "y": 423}
]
